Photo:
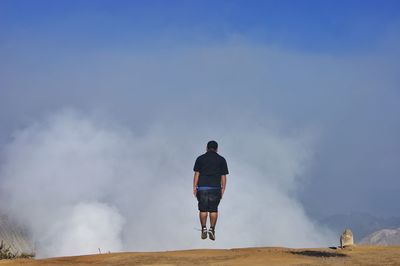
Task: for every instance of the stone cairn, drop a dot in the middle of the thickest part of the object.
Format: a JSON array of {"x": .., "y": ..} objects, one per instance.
[{"x": 346, "y": 239}]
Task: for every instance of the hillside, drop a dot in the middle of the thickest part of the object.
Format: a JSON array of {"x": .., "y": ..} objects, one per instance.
[
  {"x": 384, "y": 237},
  {"x": 360, "y": 255},
  {"x": 15, "y": 237}
]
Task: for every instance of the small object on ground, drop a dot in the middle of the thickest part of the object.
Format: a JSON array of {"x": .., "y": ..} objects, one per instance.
[
  {"x": 211, "y": 233},
  {"x": 346, "y": 239},
  {"x": 204, "y": 233}
]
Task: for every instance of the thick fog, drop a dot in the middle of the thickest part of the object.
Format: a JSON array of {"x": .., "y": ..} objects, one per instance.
[{"x": 80, "y": 183}]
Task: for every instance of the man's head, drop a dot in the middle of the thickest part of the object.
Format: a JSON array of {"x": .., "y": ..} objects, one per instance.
[{"x": 212, "y": 145}]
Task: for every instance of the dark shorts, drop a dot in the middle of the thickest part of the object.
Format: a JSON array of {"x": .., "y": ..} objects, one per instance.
[{"x": 209, "y": 200}]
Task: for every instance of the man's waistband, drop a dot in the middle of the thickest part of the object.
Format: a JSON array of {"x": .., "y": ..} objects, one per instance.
[{"x": 207, "y": 188}]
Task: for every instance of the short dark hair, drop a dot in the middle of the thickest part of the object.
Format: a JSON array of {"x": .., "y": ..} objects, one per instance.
[{"x": 212, "y": 145}]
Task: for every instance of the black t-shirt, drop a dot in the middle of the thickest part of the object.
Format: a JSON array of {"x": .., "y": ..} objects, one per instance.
[{"x": 211, "y": 166}]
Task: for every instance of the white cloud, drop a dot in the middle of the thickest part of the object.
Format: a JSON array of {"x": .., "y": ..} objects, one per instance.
[{"x": 80, "y": 184}]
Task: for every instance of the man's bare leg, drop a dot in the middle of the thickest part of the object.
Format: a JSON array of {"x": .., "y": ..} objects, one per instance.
[
  {"x": 203, "y": 221},
  {"x": 213, "y": 221},
  {"x": 213, "y": 218},
  {"x": 203, "y": 218}
]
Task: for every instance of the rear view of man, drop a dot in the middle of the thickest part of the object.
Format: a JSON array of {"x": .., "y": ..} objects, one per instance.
[{"x": 209, "y": 182}]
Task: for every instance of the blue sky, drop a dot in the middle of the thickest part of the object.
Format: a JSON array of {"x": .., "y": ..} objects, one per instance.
[
  {"x": 330, "y": 67},
  {"x": 315, "y": 26}
]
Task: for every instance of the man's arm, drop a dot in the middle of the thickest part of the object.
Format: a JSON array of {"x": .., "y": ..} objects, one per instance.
[
  {"x": 195, "y": 181},
  {"x": 223, "y": 184}
]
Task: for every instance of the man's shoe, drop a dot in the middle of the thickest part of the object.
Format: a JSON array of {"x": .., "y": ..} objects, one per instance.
[
  {"x": 204, "y": 233},
  {"x": 211, "y": 233}
]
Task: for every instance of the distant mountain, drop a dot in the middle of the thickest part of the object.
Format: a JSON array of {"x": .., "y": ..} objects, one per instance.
[
  {"x": 361, "y": 224},
  {"x": 384, "y": 237},
  {"x": 15, "y": 237}
]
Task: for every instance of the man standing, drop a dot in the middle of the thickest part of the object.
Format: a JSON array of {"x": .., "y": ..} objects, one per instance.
[{"x": 209, "y": 182}]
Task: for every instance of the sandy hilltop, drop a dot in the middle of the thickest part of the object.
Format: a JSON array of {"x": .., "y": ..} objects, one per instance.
[{"x": 358, "y": 255}]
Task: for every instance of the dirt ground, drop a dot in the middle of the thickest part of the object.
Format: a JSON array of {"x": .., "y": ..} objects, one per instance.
[{"x": 360, "y": 255}]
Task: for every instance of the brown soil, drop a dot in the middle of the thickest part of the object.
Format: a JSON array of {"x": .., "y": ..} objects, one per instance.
[{"x": 360, "y": 255}]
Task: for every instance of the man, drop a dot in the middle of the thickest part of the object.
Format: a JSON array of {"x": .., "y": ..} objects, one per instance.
[{"x": 209, "y": 182}]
